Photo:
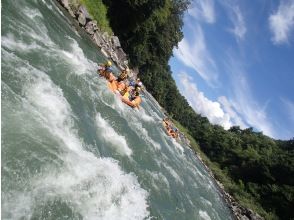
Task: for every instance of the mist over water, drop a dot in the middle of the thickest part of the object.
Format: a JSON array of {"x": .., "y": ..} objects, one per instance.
[{"x": 70, "y": 148}]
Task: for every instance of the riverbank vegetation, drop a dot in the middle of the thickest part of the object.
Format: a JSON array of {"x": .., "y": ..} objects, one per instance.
[
  {"x": 256, "y": 170},
  {"x": 99, "y": 12}
]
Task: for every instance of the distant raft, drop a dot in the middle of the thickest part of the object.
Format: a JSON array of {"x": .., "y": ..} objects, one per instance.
[{"x": 169, "y": 128}]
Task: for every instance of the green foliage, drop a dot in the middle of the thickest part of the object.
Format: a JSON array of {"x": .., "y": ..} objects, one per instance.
[{"x": 98, "y": 11}]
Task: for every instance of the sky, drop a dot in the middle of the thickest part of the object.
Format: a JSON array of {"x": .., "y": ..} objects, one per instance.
[{"x": 235, "y": 64}]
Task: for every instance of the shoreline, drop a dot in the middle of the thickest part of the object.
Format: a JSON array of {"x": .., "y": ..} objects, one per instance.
[{"x": 111, "y": 48}]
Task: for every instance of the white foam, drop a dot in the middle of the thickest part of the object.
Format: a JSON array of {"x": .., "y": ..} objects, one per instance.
[
  {"x": 174, "y": 173},
  {"x": 32, "y": 13},
  {"x": 178, "y": 146},
  {"x": 49, "y": 100},
  {"x": 119, "y": 194},
  {"x": 205, "y": 201},
  {"x": 96, "y": 188},
  {"x": 190, "y": 200},
  {"x": 117, "y": 141},
  {"x": 17, "y": 206},
  {"x": 93, "y": 187},
  {"x": 49, "y": 6},
  {"x": 38, "y": 39},
  {"x": 77, "y": 59},
  {"x": 36, "y": 36},
  {"x": 204, "y": 215},
  {"x": 10, "y": 42},
  {"x": 134, "y": 120},
  {"x": 35, "y": 28},
  {"x": 147, "y": 137},
  {"x": 158, "y": 179},
  {"x": 143, "y": 115}
]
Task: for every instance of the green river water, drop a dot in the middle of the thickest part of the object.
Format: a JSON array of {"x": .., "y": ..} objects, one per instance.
[{"x": 70, "y": 148}]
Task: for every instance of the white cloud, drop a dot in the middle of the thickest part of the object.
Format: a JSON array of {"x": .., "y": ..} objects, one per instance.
[
  {"x": 241, "y": 109},
  {"x": 195, "y": 55},
  {"x": 201, "y": 104},
  {"x": 282, "y": 22},
  {"x": 236, "y": 17},
  {"x": 202, "y": 10},
  {"x": 229, "y": 109},
  {"x": 244, "y": 102}
]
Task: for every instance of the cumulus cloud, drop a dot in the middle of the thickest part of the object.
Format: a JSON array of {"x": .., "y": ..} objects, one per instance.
[
  {"x": 241, "y": 109},
  {"x": 201, "y": 104},
  {"x": 281, "y": 22},
  {"x": 202, "y": 10},
  {"x": 195, "y": 55}
]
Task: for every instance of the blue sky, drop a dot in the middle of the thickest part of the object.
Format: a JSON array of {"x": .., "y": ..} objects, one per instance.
[{"x": 235, "y": 64}]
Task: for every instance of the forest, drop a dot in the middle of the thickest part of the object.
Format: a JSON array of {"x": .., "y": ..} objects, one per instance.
[{"x": 255, "y": 169}]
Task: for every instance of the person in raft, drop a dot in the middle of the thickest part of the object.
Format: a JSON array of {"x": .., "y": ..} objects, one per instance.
[
  {"x": 165, "y": 122},
  {"x": 133, "y": 83},
  {"x": 124, "y": 75},
  {"x": 122, "y": 81},
  {"x": 119, "y": 84},
  {"x": 104, "y": 69},
  {"x": 132, "y": 97}
]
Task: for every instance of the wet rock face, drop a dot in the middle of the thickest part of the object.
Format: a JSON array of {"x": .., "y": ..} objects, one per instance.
[{"x": 110, "y": 46}]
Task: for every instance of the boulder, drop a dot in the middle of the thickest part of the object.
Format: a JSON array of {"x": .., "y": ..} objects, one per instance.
[
  {"x": 83, "y": 10},
  {"x": 114, "y": 57},
  {"x": 70, "y": 11},
  {"x": 91, "y": 27},
  {"x": 121, "y": 55},
  {"x": 98, "y": 39},
  {"x": 244, "y": 217},
  {"x": 115, "y": 42},
  {"x": 254, "y": 216},
  {"x": 105, "y": 52},
  {"x": 74, "y": 8},
  {"x": 82, "y": 19},
  {"x": 105, "y": 37},
  {"x": 64, "y": 3},
  {"x": 68, "y": 6}
]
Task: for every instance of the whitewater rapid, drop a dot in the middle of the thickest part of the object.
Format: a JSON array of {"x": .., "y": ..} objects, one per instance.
[{"x": 70, "y": 148}]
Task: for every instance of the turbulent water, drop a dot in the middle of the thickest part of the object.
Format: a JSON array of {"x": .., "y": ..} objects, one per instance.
[{"x": 70, "y": 148}]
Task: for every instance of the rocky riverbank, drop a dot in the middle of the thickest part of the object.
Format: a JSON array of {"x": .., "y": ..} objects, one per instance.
[
  {"x": 111, "y": 48},
  {"x": 109, "y": 44},
  {"x": 239, "y": 212}
]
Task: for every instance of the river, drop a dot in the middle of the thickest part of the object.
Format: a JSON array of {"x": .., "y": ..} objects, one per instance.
[{"x": 70, "y": 148}]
